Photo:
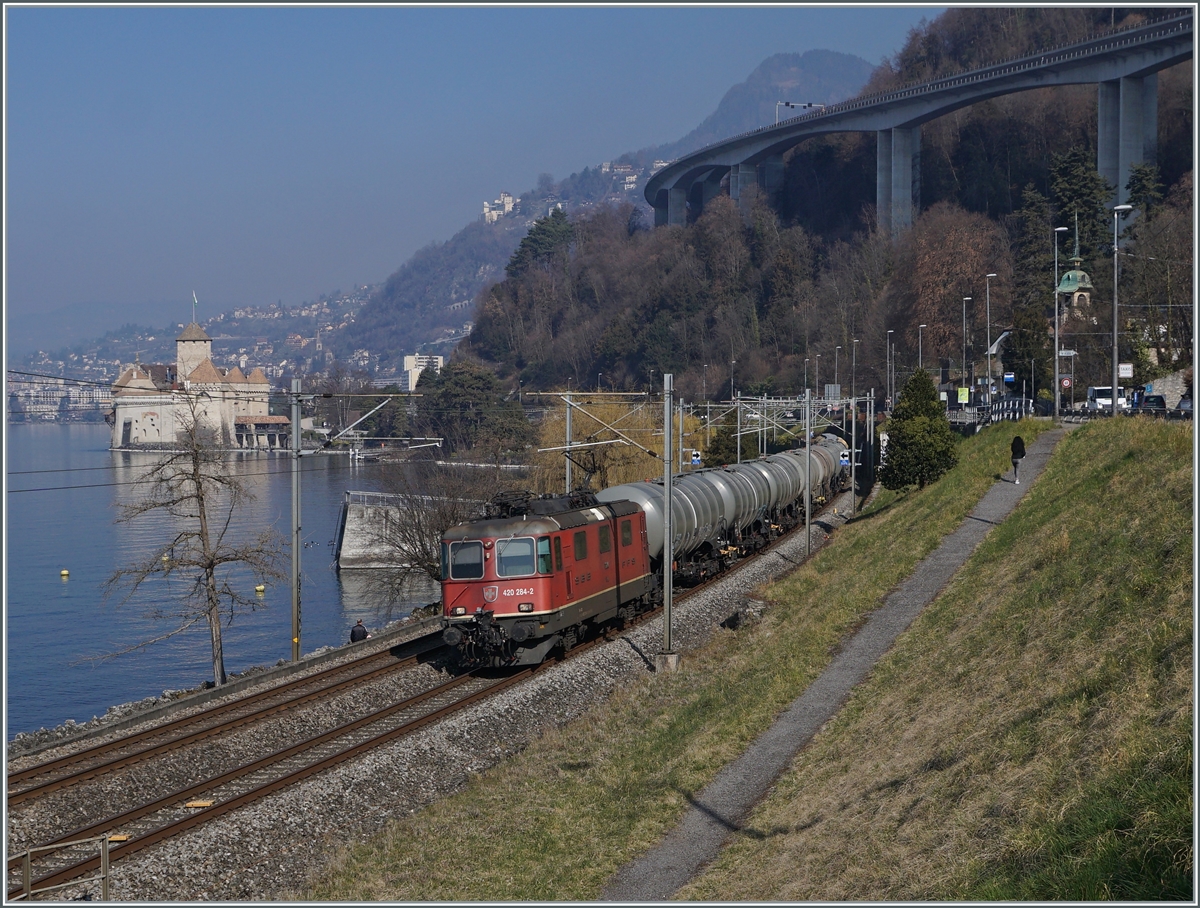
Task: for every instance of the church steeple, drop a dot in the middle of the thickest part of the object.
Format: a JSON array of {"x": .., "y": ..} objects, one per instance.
[{"x": 1076, "y": 283}]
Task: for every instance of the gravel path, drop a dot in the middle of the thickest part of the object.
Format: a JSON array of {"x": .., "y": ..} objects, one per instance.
[
  {"x": 269, "y": 849},
  {"x": 722, "y": 807}
]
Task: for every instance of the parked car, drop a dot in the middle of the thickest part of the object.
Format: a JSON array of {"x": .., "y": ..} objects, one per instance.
[
  {"x": 1152, "y": 405},
  {"x": 1184, "y": 408}
]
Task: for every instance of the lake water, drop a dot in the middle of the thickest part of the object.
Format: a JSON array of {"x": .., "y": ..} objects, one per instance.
[{"x": 65, "y": 489}]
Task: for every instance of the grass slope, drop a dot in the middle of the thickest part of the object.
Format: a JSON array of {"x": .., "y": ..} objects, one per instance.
[{"x": 1028, "y": 737}]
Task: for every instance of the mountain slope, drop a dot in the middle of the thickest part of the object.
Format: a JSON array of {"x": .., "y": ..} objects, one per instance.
[
  {"x": 817, "y": 76},
  {"x": 412, "y": 311}
]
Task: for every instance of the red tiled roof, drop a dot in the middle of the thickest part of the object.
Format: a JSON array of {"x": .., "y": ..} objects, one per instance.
[{"x": 206, "y": 372}]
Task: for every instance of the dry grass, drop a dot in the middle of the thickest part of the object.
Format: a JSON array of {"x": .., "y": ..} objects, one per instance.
[
  {"x": 973, "y": 743},
  {"x": 1030, "y": 736}
]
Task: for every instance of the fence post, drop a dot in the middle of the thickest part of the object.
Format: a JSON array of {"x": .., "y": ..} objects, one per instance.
[{"x": 104, "y": 868}]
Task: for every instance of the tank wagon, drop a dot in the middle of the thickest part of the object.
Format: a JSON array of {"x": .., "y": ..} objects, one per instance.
[{"x": 536, "y": 574}]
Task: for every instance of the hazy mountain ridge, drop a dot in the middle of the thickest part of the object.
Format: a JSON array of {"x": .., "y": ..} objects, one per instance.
[
  {"x": 819, "y": 76},
  {"x": 816, "y": 76}
]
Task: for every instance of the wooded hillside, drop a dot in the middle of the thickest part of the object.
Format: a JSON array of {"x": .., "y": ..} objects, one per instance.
[{"x": 742, "y": 300}]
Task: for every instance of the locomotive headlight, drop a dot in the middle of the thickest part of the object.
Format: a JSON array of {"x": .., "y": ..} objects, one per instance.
[
  {"x": 459, "y": 610},
  {"x": 524, "y": 606}
]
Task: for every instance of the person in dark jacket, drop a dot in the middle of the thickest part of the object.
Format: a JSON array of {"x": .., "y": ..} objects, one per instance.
[
  {"x": 358, "y": 632},
  {"x": 1018, "y": 454}
]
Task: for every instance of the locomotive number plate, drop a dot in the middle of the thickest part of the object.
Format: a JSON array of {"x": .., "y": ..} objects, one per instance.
[{"x": 519, "y": 591}]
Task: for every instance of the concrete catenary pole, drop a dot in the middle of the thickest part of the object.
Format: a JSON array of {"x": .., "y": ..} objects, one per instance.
[
  {"x": 737, "y": 402},
  {"x": 668, "y": 524},
  {"x": 296, "y": 519},
  {"x": 568, "y": 451},
  {"x": 853, "y": 454},
  {"x": 807, "y": 469},
  {"x": 1116, "y": 265}
]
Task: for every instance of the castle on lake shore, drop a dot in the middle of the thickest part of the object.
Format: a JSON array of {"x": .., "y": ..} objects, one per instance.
[{"x": 152, "y": 403}]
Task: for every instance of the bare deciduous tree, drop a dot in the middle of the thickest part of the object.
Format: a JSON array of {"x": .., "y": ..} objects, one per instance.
[
  {"x": 426, "y": 499},
  {"x": 193, "y": 487}
]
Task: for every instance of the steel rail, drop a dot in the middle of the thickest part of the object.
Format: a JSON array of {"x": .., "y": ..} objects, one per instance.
[
  {"x": 100, "y": 750},
  {"x": 201, "y": 734},
  {"x": 174, "y": 828}
]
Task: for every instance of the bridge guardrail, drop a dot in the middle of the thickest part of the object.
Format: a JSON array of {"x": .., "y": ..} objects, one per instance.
[{"x": 1118, "y": 38}]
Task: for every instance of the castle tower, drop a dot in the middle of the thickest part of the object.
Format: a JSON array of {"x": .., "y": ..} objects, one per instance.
[{"x": 192, "y": 347}]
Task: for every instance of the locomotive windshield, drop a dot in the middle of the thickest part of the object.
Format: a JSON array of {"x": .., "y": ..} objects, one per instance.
[
  {"x": 463, "y": 561},
  {"x": 514, "y": 557}
]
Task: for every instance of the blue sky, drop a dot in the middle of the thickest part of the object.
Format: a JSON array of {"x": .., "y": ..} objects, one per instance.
[{"x": 256, "y": 154}]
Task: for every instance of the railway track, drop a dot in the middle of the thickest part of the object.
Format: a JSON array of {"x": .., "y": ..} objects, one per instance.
[
  {"x": 122, "y": 752},
  {"x": 208, "y": 799},
  {"x": 187, "y": 807}
]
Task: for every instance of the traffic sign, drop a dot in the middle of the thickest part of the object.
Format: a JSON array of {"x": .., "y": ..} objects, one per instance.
[
  {"x": 1066, "y": 382},
  {"x": 1010, "y": 377},
  {"x": 695, "y": 458}
]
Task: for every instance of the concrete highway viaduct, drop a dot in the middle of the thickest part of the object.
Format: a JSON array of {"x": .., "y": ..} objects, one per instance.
[{"x": 1125, "y": 64}]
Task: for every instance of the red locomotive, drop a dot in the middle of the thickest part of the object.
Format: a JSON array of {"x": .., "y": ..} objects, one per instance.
[{"x": 539, "y": 572}]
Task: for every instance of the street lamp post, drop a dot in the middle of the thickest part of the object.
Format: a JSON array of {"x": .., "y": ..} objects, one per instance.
[
  {"x": 887, "y": 378},
  {"x": 966, "y": 299},
  {"x": 732, "y": 363},
  {"x": 1057, "y": 380},
  {"x": 835, "y": 363},
  {"x": 853, "y": 364},
  {"x": 806, "y": 372},
  {"x": 599, "y": 375},
  {"x": 817, "y": 375},
  {"x": 988, "y": 278},
  {"x": 920, "y": 352},
  {"x": 1116, "y": 215}
]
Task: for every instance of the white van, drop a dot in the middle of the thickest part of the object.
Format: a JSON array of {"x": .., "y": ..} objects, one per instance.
[{"x": 1100, "y": 398}]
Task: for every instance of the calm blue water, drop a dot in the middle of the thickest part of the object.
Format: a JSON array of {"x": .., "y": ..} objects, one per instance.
[{"x": 64, "y": 491}]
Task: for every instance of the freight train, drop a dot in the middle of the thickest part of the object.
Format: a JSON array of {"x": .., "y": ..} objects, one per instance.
[{"x": 539, "y": 574}]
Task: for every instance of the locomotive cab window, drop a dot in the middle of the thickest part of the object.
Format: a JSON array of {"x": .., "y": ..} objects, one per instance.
[
  {"x": 605, "y": 538},
  {"x": 514, "y": 557},
  {"x": 466, "y": 560},
  {"x": 581, "y": 546},
  {"x": 626, "y": 533},
  {"x": 543, "y": 555}
]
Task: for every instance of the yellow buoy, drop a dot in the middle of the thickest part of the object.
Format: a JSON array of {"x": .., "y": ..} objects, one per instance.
[
  {"x": 261, "y": 588},
  {"x": 64, "y": 574}
]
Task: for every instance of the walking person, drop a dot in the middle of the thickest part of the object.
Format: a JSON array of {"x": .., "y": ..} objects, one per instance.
[
  {"x": 358, "y": 632},
  {"x": 1018, "y": 454}
]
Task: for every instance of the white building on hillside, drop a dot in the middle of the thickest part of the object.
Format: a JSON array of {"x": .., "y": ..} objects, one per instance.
[{"x": 413, "y": 367}]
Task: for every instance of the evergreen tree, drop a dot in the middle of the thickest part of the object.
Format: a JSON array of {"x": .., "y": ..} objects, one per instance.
[
  {"x": 547, "y": 237},
  {"x": 723, "y": 448},
  {"x": 1078, "y": 188},
  {"x": 1033, "y": 251},
  {"x": 465, "y": 405},
  {"x": 1145, "y": 189},
  {"x": 921, "y": 448}
]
